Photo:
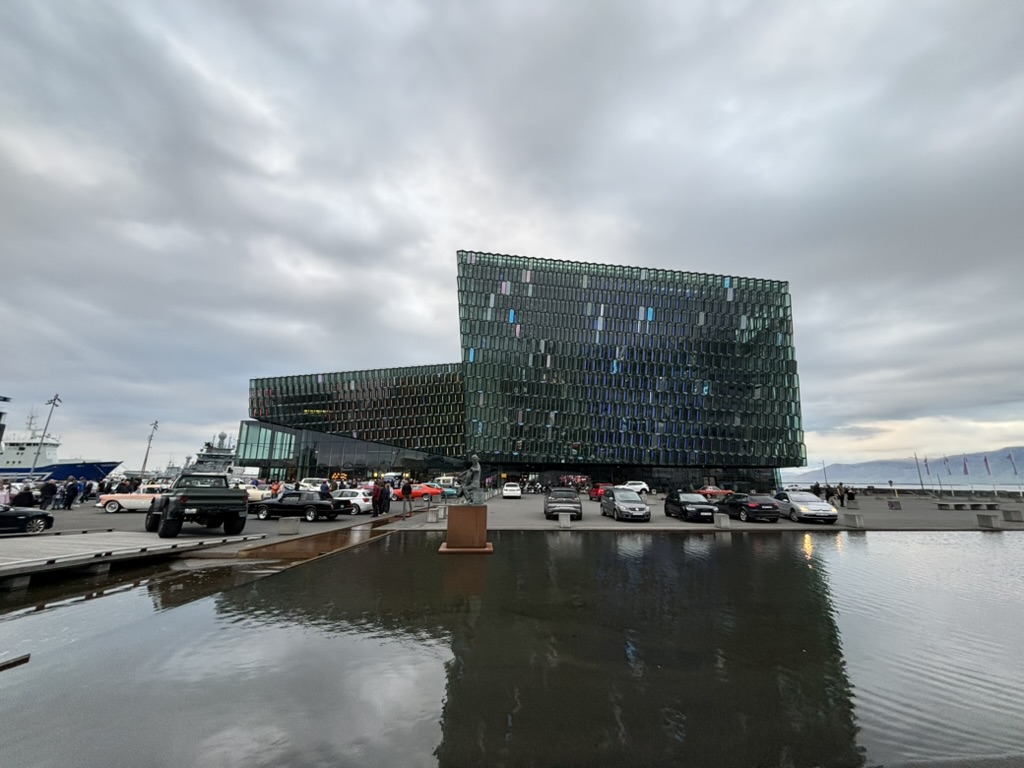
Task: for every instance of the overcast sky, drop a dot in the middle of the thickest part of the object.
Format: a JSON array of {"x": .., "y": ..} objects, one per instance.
[{"x": 193, "y": 194}]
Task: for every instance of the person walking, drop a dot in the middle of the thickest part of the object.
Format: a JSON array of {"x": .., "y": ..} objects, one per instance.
[
  {"x": 5, "y": 492},
  {"x": 407, "y": 499},
  {"x": 385, "y": 499},
  {"x": 24, "y": 497},
  {"x": 70, "y": 492},
  {"x": 47, "y": 494}
]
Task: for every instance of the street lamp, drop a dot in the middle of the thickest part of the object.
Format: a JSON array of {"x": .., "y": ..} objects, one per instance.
[
  {"x": 145, "y": 459},
  {"x": 53, "y": 402}
]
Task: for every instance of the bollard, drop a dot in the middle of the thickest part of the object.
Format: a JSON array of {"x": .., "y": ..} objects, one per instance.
[
  {"x": 287, "y": 526},
  {"x": 442, "y": 512},
  {"x": 564, "y": 519},
  {"x": 722, "y": 520},
  {"x": 431, "y": 515},
  {"x": 854, "y": 520}
]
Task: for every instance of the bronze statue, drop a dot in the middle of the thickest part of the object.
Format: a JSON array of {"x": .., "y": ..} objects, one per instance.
[{"x": 470, "y": 481}]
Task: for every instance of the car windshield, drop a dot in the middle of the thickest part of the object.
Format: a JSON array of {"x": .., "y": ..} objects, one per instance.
[
  {"x": 510, "y": 486},
  {"x": 627, "y": 496},
  {"x": 198, "y": 481},
  {"x": 803, "y": 496},
  {"x": 693, "y": 498}
]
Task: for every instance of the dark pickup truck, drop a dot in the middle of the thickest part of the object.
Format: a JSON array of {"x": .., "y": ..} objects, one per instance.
[{"x": 203, "y": 498}]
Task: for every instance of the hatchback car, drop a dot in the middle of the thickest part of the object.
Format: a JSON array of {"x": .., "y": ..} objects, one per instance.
[
  {"x": 24, "y": 519},
  {"x": 689, "y": 507},
  {"x": 750, "y": 507},
  {"x": 622, "y": 503},
  {"x": 361, "y": 498},
  {"x": 801, "y": 506},
  {"x": 511, "y": 491},
  {"x": 561, "y": 500}
]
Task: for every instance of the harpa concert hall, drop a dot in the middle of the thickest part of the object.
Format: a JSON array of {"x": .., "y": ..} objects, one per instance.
[{"x": 568, "y": 368}]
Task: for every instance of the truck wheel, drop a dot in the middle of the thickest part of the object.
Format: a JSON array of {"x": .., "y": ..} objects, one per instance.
[
  {"x": 168, "y": 528},
  {"x": 234, "y": 526},
  {"x": 262, "y": 512},
  {"x": 112, "y": 507},
  {"x": 152, "y": 522},
  {"x": 310, "y": 514}
]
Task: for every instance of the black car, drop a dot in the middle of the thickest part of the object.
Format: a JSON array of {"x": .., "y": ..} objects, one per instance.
[
  {"x": 690, "y": 507},
  {"x": 24, "y": 520},
  {"x": 563, "y": 500},
  {"x": 748, "y": 506},
  {"x": 311, "y": 505}
]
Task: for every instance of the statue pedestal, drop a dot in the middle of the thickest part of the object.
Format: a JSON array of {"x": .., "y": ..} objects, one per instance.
[{"x": 467, "y": 531}]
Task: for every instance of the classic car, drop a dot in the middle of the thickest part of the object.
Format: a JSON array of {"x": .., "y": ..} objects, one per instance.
[
  {"x": 138, "y": 501},
  {"x": 310, "y": 505}
]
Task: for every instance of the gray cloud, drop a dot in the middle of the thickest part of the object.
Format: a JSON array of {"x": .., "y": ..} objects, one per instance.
[{"x": 198, "y": 193}]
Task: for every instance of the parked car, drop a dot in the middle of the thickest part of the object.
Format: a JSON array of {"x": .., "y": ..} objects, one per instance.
[
  {"x": 563, "y": 500},
  {"x": 689, "y": 507},
  {"x": 637, "y": 485},
  {"x": 138, "y": 501},
  {"x": 419, "y": 490},
  {"x": 312, "y": 483},
  {"x": 750, "y": 507},
  {"x": 449, "y": 491},
  {"x": 24, "y": 519},
  {"x": 255, "y": 492},
  {"x": 623, "y": 503},
  {"x": 792, "y": 487},
  {"x": 511, "y": 491},
  {"x": 360, "y": 498},
  {"x": 713, "y": 492},
  {"x": 597, "y": 491},
  {"x": 802, "y": 506},
  {"x": 310, "y": 505}
]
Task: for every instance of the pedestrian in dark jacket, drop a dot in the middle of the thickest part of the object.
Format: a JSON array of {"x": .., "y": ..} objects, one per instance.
[
  {"x": 376, "y": 498},
  {"x": 24, "y": 498},
  {"x": 47, "y": 494},
  {"x": 385, "y": 499},
  {"x": 70, "y": 492}
]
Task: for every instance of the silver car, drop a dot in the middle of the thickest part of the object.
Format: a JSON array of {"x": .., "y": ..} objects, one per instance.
[
  {"x": 563, "y": 500},
  {"x": 801, "y": 506},
  {"x": 624, "y": 504}
]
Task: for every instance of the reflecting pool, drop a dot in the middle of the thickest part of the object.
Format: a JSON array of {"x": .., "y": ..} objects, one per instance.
[{"x": 564, "y": 648}]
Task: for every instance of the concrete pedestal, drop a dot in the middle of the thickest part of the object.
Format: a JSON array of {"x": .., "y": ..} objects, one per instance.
[
  {"x": 722, "y": 520},
  {"x": 467, "y": 531},
  {"x": 288, "y": 526},
  {"x": 431, "y": 515},
  {"x": 564, "y": 519}
]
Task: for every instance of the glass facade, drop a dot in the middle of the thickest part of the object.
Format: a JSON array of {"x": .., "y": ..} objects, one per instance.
[
  {"x": 567, "y": 368},
  {"x": 568, "y": 362}
]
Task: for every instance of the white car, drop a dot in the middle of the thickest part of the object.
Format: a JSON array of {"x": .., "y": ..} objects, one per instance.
[
  {"x": 511, "y": 491},
  {"x": 361, "y": 498},
  {"x": 804, "y": 507},
  {"x": 130, "y": 502},
  {"x": 636, "y": 485}
]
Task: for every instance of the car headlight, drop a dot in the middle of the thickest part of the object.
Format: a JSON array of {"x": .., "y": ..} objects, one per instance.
[
  {"x": 802, "y": 508},
  {"x": 690, "y": 509}
]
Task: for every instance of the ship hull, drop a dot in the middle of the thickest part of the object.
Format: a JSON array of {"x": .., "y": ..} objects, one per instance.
[{"x": 80, "y": 469}]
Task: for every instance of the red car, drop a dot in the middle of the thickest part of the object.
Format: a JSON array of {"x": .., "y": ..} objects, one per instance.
[
  {"x": 597, "y": 491},
  {"x": 419, "y": 490},
  {"x": 714, "y": 493}
]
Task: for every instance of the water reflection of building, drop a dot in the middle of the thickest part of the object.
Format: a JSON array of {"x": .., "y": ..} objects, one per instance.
[{"x": 684, "y": 654}]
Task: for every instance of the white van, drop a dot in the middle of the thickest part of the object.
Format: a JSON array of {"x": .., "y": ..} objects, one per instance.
[{"x": 446, "y": 481}]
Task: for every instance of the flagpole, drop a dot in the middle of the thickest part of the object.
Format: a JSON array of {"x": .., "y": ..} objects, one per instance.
[
  {"x": 824, "y": 471},
  {"x": 919, "y": 477}
]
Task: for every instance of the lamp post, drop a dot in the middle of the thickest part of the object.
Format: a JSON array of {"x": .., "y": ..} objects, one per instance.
[
  {"x": 145, "y": 459},
  {"x": 53, "y": 402},
  {"x": 824, "y": 471}
]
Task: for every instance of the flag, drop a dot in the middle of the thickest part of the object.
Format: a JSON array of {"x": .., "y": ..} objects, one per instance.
[
  {"x": 945, "y": 460},
  {"x": 966, "y": 470},
  {"x": 1012, "y": 462},
  {"x": 926, "y": 470},
  {"x": 987, "y": 468}
]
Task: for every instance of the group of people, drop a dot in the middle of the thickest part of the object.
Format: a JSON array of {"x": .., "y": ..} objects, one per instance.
[
  {"x": 52, "y": 495},
  {"x": 834, "y": 495}
]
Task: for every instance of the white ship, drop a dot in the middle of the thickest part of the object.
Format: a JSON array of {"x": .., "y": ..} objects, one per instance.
[{"x": 33, "y": 455}]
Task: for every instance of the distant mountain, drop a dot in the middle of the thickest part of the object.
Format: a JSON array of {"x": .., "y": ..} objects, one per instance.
[{"x": 904, "y": 471}]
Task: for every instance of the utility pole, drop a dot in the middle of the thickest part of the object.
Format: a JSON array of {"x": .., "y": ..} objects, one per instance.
[
  {"x": 142, "y": 474},
  {"x": 53, "y": 402},
  {"x": 824, "y": 471}
]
